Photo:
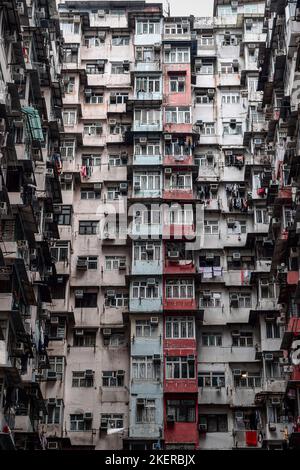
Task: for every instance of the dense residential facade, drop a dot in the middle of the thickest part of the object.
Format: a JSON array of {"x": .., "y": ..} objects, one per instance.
[{"x": 149, "y": 226}]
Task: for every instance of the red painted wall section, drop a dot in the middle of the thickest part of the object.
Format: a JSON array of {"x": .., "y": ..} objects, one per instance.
[
  {"x": 181, "y": 432},
  {"x": 177, "y": 99},
  {"x": 292, "y": 277}
]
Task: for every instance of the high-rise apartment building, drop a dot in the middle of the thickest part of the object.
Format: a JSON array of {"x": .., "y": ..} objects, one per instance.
[{"x": 149, "y": 226}]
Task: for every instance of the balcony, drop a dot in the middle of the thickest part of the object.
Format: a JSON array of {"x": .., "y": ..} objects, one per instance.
[
  {"x": 151, "y": 160},
  {"x": 146, "y": 230},
  {"x": 146, "y": 193},
  {"x": 178, "y": 160},
  {"x": 152, "y": 267},
  {"x": 179, "y": 304},
  {"x": 205, "y": 81},
  {"x": 179, "y": 266},
  {"x": 149, "y": 66},
  {"x": 229, "y": 79},
  {"x": 178, "y": 433},
  {"x": 140, "y": 126},
  {"x": 254, "y": 37},
  {"x": 179, "y": 231},
  {"x": 180, "y": 385},
  {"x": 140, "y": 97},
  {"x": 145, "y": 305},
  {"x": 181, "y": 128},
  {"x": 178, "y": 193}
]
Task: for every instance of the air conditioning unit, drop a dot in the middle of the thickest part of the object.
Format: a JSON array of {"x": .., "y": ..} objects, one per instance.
[
  {"x": 237, "y": 372},
  {"x": 79, "y": 294},
  {"x": 97, "y": 186},
  {"x": 120, "y": 373},
  {"x": 52, "y": 445},
  {"x": 52, "y": 401},
  {"x": 168, "y": 171},
  {"x": 110, "y": 293},
  {"x": 211, "y": 92},
  {"x": 140, "y": 401},
  {"x": 88, "y": 416},
  {"x": 67, "y": 177},
  {"x": 156, "y": 358},
  {"x": 51, "y": 375},
  {"x": 20, "y": 8},
  {"x": 202, "y": 427},
  {"x": 228, "y": 153},
  {"x": 123, "y": 187},
  {"x": 214, "y": 188},
  {"x": 154, "y": 320},
  {"x": 137, "y": 186},
  {"x": 234, "y": 301},
  {"x": 206, "y": 294},
  {"x": 151, "y": 282},
  {"x": 112, "y": 122},
  {"x": 283, "y": 360},
  {"x": 209, "y": 256},
  {"x": 3, "y": 208},
  {"x": 48, "y": 217},
  {"x": 106, "y": 331},
  {"x": 88, "y": 92},
  {"x": 167, "y": 47},
  {"x": 101, "y": 13},
  {"x": 236, "y": 256},
  {"x": 122, "y": 265},
  {"x": 79, "y": 332},
  {"x": 54, "y": 320},
  {"x": 143, "y": 140},
  {"x": 235, "y": 334},
  {"x": 89, "y": 373},
  {"x": 82, "y": 264},
  {"x": 252, "y": 47},
  {"x": 173, "y": 254},
  {"x": 269, "y": 357},
  {"x": 171, "y": 418},
  {"x": 191, "y": 357},
  {"x": 168, "y": 137}
]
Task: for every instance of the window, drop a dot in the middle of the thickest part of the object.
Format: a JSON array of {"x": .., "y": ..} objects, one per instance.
[
  {"x": 120, "y": 41},
  {"x": 69, "y": 27},
  {"x": 180, "y": 216},
  {"x": 178, "y": 147},
  {"x": 93, "y": 69},
  {"x": 248, "y": 380},
  {"x": 70, "y": 54},
  {"x": 91, "y": 261},
  {"x": 145, "y": 413},
  {"x": 112, "y": 378},
  {"x": 206, "y": 67},
  {"x": 89, "y": 193},
  {"x": 89, "y": 300},
  {"x": 92, "y": 129},
  {"x": 82, "y": 379},
  {"x": 177, "y": 84},
  {"x": 182, "y": 410},
  {"x": 56, "y": 331},
  {"x": 226, "y": 68},
  {"x": 78, "y": 423},
  {"x": 69, "y": 84},
  {"x": 113, "y": 262},
  {"x": 114, "y": 421},
  {"x": 211, "y": 227},
  {"x": 232, "y": 128},
  {"x": 148, "y": 181},
  {"x": 147, "y": 116},
  {"x": 143, "y": 368},
  {"x": 210, "y": 301},
  {"x": 116, "y": 340},
  {"x": 66, "y": 185},
  {"x": 140, "y": 290},
  {"x": 262, "y": 216},
  {"x": 91, "y": 160},
  {"x": 179, "y": 289},
  {"x": 57, "y": 365},
  {"x": 145, "y": 329},
  {"x": 230, "y": 40},
  {"x": 55, "y": 412},
  {"x": 118, "y": 300},
  {"x": 119, "y": 128},
  {"x": 117, "y": 68},
  {"x": 231, "y": 98},
  {"x": 177, "y": 55},
  {"x": 273, "y": 370},
  {"x": 118, "y": 98},
  {"x": 242, "y": 339},
  {"x": 211, "y": 339},
  {"x": 211, "y": 379},
  {"x": 177, "y": 28},
  {"x": 272, "y": 329},
  {"x": 181, "y": 181},
  {"x": 178, "y": 115},
  {"x": 214, "y": 423},
  {"x": 69, "y": 117},
  {"x": 208, "y": 128},
  {"x": 207, "y": 40},
  {"x": 147, "y": 217},
  {"x": 147, "y": 27},
  {"x": 60, "y": 251},
  {"x": 67, "y": 149},
  {"x": 202, "y": 97},
  {"x": 58, "y": 291},
  {"x": 240, "y": 300},
  {"x": 147, "y": 84},
  {"x": 113, "y": 192},
  {"x": 95, "y": 98},
  {"x": 180, "y": 367},
  {"x": 205, "y": 160},
  {"x": 87, "y": 340},
  {"x": 145, "y": 54},
  {"x": 93, "y": 41},
  {"x": 267, "y": 289},
  {"x": 237, "y": 228},
  {"x": 142, "y": 254},
  {"x": 148, "y": 149},
  {"x": 65, "y": 217},
  {"x": 180, "y": 327},
  {"x": 88, "y": 227}
]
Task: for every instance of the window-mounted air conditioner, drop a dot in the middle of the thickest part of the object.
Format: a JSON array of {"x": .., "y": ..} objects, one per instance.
[
  {"x": 112, "y": 122},
  {"x": 237, "y": 372},
  {"x": 231, "y": 222},
  {"x": 137, "y": 186},
  {"x": 103, "y": 424},
  {"x": 211, "y": 92},
  {"x": 123, "y": 187},
  {"x": 275, "y": 401},
  {"x": 168, "y": 137},
  {"x": 52, "y": 401},
  {"x": 269, "y": 357},
  {"x": 54, "y": 320},
  {"x": 122, "y": 265},
  {"x": 143, "y": 140},
  {"x": 236, "y": 256},
  {"x": 51, "y": 375},
  {"x": 101, "y": 13},
  {"x": 89, "y": 373},
  {"x": 168, "y": 171},
  {"x": 87, "y": 416},
  {"x": 191, "y": 357},
  {"x": 209, "y": 256},
  {"x": 269, "y": 318},
  {"x": 214, "y": 187},
  {"x": 167, "y": 47},
  {"x": 48, "y": 217},
  {"x": 120, "y": 373},
  {"x": 235, "y": 333},
  {"x": 149, "y": 247},
  {"x": 79, "y": 294},
  {"x": 79, "y": 332},
  {"x": 97, "y": 186},
  {"x": 110, "y": 293},
  {"x": 154, "y": 320},
  {"x": 206, "y": 294},
  {"x": 52, "y": 445},
  {"x": 140, "y": 401},
  {"x": 252, "y": 47},
  {"x": 156, "y": 358},
  {"x": 88, "y": 92},
  {"x": 151, "y": 282},
  {"x": 173, "y": 254}
]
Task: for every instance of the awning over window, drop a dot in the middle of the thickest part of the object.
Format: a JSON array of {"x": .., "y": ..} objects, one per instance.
[{"x": 34, "y": 126}]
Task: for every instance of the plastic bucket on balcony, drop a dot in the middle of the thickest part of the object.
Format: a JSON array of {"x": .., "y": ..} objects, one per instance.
[{"x": 251, "y": 438}]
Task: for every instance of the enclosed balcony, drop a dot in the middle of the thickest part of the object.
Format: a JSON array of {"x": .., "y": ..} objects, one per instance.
[
  {"x": 147, "y": 258},
  {"x": 145, "y": 295},
  {"x": 179, "y": 294},
  {"x": 177, "y": 260}
]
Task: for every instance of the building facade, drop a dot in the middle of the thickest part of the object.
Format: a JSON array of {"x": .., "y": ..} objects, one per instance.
[{"x": 149, "y": 232}]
